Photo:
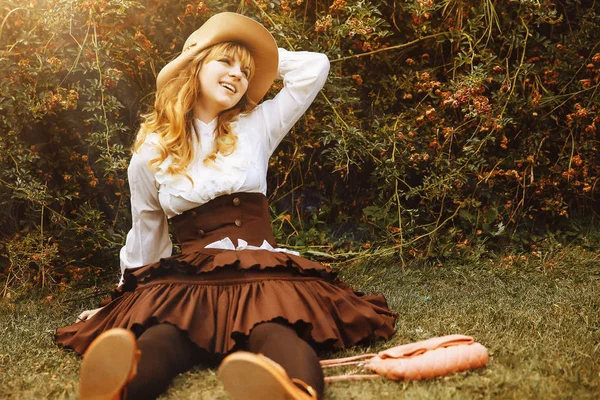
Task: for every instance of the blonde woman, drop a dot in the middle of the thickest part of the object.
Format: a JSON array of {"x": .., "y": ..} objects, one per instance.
[{"x": 231, "y": 297}]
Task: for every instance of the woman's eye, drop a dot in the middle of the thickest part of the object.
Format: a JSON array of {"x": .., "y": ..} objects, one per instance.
[
  {"x": 246, "y": 73},
  {"x": 224, "y": 60}
]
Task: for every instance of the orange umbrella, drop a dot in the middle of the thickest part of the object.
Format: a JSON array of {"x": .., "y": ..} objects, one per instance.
[{"x": 421, "y": 360}]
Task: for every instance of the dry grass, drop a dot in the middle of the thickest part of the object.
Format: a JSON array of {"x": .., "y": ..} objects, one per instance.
[{"x": 539, "y": 318}]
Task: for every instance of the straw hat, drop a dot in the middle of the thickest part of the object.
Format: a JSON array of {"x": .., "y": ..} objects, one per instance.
[{"x": 232, "y": 27}]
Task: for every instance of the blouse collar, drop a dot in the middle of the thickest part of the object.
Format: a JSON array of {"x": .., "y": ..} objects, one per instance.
[{"x": 203, "y": 127}]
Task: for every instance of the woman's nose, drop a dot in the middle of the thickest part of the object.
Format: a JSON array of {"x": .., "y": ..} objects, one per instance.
[{"x": 235, "y": 70}]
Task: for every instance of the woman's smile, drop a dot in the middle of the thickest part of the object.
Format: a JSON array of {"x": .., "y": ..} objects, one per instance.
[
  {"x": 223, "y": 83},
  {"x": 229, "y": 87}
]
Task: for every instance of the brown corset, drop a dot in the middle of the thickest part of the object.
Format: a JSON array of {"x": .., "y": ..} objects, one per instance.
[{"x": 236, "y": 216}]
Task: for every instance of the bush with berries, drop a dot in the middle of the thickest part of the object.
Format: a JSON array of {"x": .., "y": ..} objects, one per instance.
[{"x": 445, "y": 127}]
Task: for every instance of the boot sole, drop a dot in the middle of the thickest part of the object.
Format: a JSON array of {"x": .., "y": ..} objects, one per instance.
[
  {"x": 249, "y": 376},
  {"x": 108, "y": 364}
]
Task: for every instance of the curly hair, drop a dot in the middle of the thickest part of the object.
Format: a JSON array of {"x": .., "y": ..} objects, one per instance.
[{"x": 173, "y": 112}]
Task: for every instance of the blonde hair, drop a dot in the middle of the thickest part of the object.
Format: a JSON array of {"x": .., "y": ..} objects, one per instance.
[{"x": 173, "y": 112}]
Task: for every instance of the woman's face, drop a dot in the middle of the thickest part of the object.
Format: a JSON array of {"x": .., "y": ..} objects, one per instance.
[{"x": 223, "y": 82}]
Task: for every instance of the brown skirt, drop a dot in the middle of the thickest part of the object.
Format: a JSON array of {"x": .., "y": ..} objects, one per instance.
[{"x": 218, "y": 296}]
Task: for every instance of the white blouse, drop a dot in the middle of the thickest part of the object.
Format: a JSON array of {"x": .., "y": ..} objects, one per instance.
[{"x": 157, "y": 195}]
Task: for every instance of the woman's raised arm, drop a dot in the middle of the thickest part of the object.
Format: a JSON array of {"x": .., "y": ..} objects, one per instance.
[{"x": 304, "y": 74}]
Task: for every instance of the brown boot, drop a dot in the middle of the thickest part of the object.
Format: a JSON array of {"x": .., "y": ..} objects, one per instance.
[
  {"x": 249, "y": 376},
  {"x": 108, "y": 364}
]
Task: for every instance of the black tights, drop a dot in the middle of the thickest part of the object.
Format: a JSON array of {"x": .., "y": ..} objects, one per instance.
[
  {"x": 167, "y": 351},
  {"x": 281, "y": 344}
]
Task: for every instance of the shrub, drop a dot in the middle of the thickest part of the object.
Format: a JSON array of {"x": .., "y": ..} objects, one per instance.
[{"x": 444, "y": 126}]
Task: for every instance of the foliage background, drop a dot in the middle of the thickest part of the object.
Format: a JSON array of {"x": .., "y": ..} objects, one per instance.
[{"x": 446, "y": 127}]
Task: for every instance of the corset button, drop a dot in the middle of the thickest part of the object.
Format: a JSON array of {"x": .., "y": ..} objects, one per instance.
[
  {"x": 201, "y": 233},
  {"x": 193, "y": 213},
  {"x": 236, "y": 201},
  {"x": 238, "y": 222}
]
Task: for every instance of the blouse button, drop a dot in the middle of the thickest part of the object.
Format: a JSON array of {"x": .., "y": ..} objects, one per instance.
[
  {"x": 236, "y": 201},
  {"x": 238, "y": 222},
  {"x": 201, "y": 233}
]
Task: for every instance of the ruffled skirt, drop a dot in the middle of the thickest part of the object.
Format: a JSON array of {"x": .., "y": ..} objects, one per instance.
[{"x": 218, "y": 296}]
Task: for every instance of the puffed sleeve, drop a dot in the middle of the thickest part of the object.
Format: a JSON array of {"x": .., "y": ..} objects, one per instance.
[
  {"x": 304, "y": 74},
  {"x": 148, "y": 240}
]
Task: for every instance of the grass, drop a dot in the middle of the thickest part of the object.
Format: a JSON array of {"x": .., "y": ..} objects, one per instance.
[{"x": 538, "y": 317}]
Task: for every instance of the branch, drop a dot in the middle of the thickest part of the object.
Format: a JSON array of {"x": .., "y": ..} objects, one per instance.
[{"x": 399, "y": 46}]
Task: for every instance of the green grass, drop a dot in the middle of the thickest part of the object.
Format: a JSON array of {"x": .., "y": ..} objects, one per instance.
[{"x": 539, "y": 318}]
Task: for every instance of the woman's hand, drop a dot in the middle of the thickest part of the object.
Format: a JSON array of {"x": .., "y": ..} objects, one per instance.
[{"x": 87, "y": 314}]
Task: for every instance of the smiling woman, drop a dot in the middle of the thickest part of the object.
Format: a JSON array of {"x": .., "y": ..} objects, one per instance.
[
  {"x": 199, "y": 92},
  {"x": 200, "y": 161},
  {"x": 223, "y": 81}
]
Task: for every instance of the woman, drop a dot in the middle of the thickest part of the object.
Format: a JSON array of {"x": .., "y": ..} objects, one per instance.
[{"x": 200, "y": 161}]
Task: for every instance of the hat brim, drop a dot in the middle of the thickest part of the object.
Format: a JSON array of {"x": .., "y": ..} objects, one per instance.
[{"x": 232, "y": 27}]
